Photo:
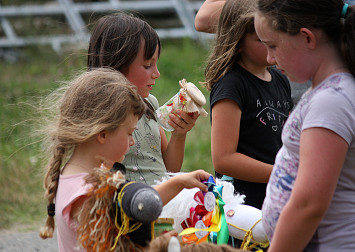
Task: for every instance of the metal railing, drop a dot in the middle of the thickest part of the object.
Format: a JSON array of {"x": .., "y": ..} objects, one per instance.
[{"x": 183, "y": 10}]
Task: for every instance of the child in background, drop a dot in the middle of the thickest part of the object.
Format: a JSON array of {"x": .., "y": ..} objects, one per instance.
[
  {"x": 131, "y": 46},
  {"x": 249, "y": 103},
  {"x": 309, "y": 204},
  {"x": 206, "y": 20},
  {"x": 95, "y": 116}
]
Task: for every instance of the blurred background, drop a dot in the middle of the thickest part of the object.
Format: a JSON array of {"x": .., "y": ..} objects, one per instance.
[{"x": 43, "y": 42}]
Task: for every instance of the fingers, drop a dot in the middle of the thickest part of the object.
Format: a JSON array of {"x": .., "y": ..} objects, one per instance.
[
  {"x": 188, "y": 117},
  {"x": 201, "y": 176},
  {"x": 182, "y": 121},
  {"x": 193, "y": 179},
  {"x": 203, "y": 187}
]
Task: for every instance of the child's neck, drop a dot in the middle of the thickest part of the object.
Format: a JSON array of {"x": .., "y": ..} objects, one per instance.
[
  {"x": 259, "y": 71},
  {"x": 81, "y": 161}
]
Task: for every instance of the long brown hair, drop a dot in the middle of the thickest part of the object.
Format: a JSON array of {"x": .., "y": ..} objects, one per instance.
[{"x": 235, "y": 21}]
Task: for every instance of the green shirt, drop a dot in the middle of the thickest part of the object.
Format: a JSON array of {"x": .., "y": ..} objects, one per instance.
[{"x": 144, "y": 161}]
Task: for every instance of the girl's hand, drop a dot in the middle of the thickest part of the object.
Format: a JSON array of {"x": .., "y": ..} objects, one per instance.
[
  {"x": 170, "y": 188},
  {"x": 194, "y": 179},
  {"x": 182, "y": 122}
]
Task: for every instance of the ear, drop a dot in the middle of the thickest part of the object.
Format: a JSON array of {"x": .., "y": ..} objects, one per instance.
[
  {"x": 101, "y": 137},
  {"x": 309, "y": 37}
]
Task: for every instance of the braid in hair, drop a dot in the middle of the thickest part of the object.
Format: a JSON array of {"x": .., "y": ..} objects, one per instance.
[
  {"x": 95, "y": 101},
  {"x": 50, "y": 184}
]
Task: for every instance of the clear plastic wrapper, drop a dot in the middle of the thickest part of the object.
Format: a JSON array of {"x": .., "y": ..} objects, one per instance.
[{"x": 189, "y": 99}]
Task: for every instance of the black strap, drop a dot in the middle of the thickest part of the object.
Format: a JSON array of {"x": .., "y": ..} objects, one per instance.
[{"x": 51, "y": 209}]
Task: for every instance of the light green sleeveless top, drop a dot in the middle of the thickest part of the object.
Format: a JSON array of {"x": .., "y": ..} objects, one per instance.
[{"x": 144, "y": 161}]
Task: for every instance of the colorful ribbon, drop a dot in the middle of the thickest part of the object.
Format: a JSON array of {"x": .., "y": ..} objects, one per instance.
[{"x": 218, "y": 224}]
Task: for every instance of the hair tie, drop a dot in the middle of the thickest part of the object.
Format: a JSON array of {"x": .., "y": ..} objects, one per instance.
[
  {"x": 51, "y": 209},
  {"x": 344, "y": 11}
]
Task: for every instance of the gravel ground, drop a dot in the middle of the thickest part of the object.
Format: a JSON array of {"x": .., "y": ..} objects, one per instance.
[{"x": 13, "y": 241}]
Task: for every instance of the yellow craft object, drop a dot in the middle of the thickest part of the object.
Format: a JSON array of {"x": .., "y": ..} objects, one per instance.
[{"x": 125, "y": 228}]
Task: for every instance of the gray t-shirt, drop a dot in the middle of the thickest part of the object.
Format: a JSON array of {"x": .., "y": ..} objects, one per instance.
[{"x": 330, "y": 105}]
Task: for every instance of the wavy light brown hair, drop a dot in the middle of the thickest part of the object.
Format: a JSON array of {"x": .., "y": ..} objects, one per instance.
[
  {"x": 236, "y": 20},
  {"x": 95, "y": 101}
]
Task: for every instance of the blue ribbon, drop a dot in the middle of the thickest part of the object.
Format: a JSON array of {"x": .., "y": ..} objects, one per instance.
[{"x": 223, "y": 233}]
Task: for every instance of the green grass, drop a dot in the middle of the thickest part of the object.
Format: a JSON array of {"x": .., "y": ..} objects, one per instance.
[{"x": 36, "y": 73}]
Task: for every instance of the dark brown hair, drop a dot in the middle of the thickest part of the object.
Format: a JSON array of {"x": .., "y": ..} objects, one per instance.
[{"x": 115, "y": 42}]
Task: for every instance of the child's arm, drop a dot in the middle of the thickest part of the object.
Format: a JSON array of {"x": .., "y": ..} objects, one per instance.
[
  {"x": 226, "y": 116},
  {"x": 173, "y": 152},
  {"x": 322, "y": 154},
  {"x": 170, "y": 188},
  {"x": 207, "y": 17}
]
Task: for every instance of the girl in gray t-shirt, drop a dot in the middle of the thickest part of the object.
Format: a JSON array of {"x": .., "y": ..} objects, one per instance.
[{"x": 309, "y": 203}]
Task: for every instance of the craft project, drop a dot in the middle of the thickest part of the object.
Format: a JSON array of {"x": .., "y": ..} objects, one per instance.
[
  {"x": 117, "y": 213},
  {"x": 189, "y": 99},
  {"x": 216, "y": 215},
  {"x": 206, "y": 221}
]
